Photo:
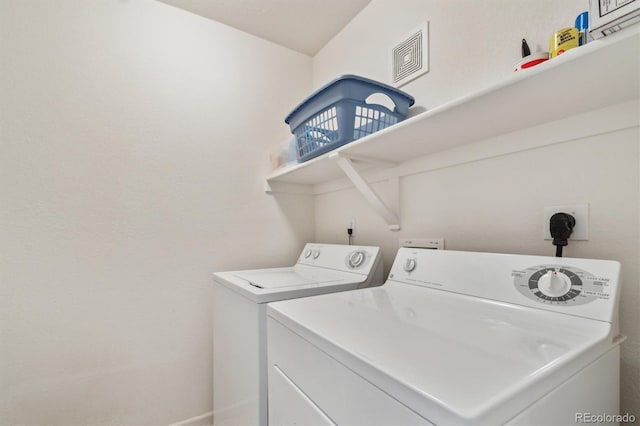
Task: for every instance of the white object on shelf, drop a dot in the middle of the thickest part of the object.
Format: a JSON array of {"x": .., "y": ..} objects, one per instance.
[
  {"x": 602, "y": 74},
  {"x": 284, "y": 154}
]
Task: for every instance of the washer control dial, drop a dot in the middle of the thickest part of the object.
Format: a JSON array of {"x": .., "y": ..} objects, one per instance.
[
  {"x": 356, "y": 259},
  {"x": 409, "y": 265},
  {"x": 307, "y": 253},
  {"x": 316, "y": 254}
]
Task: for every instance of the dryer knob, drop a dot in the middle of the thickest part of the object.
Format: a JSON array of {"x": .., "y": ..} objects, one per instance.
[
  {"x": 316, "y": 253},
  {"x": 307, "y": 253},
  {"x": 409, "y": 265},
  {"x": 356, "y": 259},
  {"x": 554, "y": 284}
]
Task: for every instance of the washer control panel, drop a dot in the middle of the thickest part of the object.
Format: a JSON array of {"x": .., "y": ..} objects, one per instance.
[
  {"x": 348, "y": 258},
  {"x": 356, "y": 259},
  {"x": 561, "y": 285}
]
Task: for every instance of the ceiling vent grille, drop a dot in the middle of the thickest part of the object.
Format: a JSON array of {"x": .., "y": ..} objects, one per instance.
[{"x": 410, "y": 58}]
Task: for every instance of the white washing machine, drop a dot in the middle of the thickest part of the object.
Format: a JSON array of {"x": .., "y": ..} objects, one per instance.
[
  {"x": 452, "y": 338},
  {"x": 239, "y": 320}
]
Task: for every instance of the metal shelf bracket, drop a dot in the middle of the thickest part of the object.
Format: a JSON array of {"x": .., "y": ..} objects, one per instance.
[{"x": 346, "y": 164}]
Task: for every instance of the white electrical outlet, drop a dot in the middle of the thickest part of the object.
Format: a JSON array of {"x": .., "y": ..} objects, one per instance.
[
  {"x": 579, "y": 211},
  {"x": 429, "y": 243}
]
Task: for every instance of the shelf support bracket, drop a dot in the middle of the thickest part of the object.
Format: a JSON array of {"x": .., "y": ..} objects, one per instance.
[
  {"x": 372, "y": 161},
  {"x": 287, "y": 188},
  {"x": 346, "y": 164}
]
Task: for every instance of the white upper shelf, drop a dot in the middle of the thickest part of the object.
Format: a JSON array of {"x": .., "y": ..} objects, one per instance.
[{"x": 602, "y": 73}]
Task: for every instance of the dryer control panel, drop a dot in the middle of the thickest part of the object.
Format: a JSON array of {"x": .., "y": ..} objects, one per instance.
[
  {"x": 561, "y": 284},
  {"x": 582, "y": 287}
]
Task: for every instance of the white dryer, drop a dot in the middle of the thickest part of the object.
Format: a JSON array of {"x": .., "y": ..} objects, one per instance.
[
  {"x": 239, "y": 319},
  {"x": 452, "y": 338}
]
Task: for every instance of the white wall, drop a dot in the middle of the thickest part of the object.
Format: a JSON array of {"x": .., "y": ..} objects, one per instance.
[
  {"x": 133, "y": 145},
  {"x": 134, "y": 141},
  {"x": 493, "y": 204}
]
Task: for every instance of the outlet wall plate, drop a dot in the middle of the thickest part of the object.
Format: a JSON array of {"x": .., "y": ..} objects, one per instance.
[
  {"x": 429, "y": 243},
  {"x": 352, "y": 225},
  {"x": 579, "y": 211}
]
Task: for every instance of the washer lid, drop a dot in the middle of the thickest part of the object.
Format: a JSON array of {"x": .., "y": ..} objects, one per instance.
[
  {"x": 286, "y": 277},
  {"x": 454, "y": 359},
  {"x": 267, "y": 285}
]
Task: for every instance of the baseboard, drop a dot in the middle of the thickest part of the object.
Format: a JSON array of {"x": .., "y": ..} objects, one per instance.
[{"x": 205, "y": 419}]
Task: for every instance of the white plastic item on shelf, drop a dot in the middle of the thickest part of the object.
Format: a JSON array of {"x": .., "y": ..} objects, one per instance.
[{"x": 284, "y": 154}]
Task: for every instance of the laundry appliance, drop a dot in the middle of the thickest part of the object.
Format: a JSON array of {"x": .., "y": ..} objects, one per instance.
[
  {"x": 452, "y": 338},
  {"x": 239, "y": 319}
]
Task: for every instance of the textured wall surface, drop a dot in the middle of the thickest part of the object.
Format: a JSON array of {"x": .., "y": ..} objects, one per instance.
[{"x": 134, "y": 141}]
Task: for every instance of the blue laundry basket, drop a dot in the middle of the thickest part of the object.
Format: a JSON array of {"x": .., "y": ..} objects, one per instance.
[{"x": 338, "y": 113}]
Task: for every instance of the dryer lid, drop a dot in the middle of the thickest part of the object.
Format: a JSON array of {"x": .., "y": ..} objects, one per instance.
[{"x": 454, "y": 359}]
